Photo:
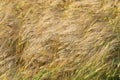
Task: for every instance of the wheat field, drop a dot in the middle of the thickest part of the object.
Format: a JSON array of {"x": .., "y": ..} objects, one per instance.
[{"x": 59, "y": 39}]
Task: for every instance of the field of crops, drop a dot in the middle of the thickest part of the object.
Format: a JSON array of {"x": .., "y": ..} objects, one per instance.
[{"x": 59, "y": 39}]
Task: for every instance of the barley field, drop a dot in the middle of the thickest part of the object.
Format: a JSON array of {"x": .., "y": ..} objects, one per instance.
[{"x": 59, "y": 39}]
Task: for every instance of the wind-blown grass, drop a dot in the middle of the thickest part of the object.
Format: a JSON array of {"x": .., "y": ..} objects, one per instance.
[{"x": 59, "y": 40}]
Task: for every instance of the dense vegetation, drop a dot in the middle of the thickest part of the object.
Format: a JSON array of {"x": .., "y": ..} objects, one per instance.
[{"x": 59, "y": 39}]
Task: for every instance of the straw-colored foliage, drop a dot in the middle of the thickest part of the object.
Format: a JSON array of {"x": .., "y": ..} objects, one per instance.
[{"x": 59, "y": 39}]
